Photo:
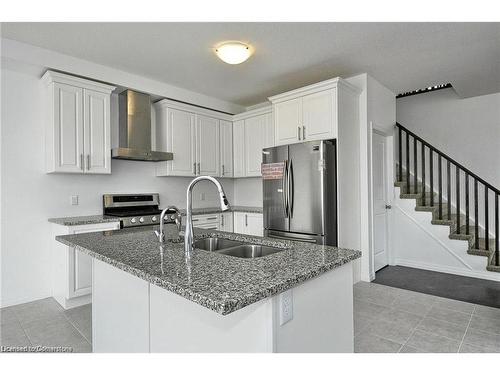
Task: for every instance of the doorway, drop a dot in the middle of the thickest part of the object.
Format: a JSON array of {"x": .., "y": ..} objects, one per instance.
[{"x": 381, "y": 177}]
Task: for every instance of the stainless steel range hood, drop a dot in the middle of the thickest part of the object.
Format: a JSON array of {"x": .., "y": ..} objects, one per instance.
[{"x": 135, "y": 129}]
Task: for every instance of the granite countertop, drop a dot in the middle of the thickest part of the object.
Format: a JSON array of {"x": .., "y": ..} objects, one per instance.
[
  {"x": 218, "y": 282},
  {"x": 83, "y": 220},
  {"x": 96, "y": 219}
]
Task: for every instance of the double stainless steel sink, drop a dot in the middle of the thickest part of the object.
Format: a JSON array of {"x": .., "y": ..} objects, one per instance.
[{"x": 235, "y": 248}]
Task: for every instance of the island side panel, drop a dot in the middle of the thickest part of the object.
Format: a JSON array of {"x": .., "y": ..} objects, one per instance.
[
  {"x": 179, "y": 325},
  {"x": 322, "y": 315},
  {"x": 120, "y": 311}
]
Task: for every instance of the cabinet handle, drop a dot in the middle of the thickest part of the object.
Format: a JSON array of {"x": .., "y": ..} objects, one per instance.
[
  {"x": 223, "y": 169},
  {"x": 194, "y": 168},
  {"x": 298, "y": 133},
  {"x": 195, "y": 219},
  {"x": 81, "y": 162},
  {"x": 199, "y": 168},
  {"x": 212, "y": 218},
  {"x": 303, "y": 132},
  {"x": 88, "y": 161},
  {"x": 246, "y": 220},
  {"x": 222, "y": 220}
]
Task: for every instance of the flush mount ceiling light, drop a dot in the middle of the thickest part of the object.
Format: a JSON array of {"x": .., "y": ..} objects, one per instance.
[{"x": 233, "y": 52}]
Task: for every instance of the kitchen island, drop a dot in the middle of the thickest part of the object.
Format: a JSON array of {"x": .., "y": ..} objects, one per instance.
[{"x": 148, "y": 297}]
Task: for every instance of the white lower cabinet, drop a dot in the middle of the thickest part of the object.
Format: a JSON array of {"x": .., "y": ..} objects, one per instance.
[
  {"x": 210, "y": 221},
  {"x": 248, "y": 223},
  {"x": 226, "y": 222},
  {"x": 72, "y": 269}
]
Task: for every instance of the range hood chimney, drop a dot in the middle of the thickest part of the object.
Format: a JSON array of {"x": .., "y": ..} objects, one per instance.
[{"x": 134, "y": 112}]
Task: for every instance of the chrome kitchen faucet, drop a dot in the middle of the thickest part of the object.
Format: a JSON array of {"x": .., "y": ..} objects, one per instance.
[{"x": 224, "y": 205}]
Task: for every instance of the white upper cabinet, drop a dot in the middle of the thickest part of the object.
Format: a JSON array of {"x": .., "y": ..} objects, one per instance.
[
  {"x": 252, "y": 131},
  {"x": 288, "y": 121},
  {"x": 311, "y": 112},
  {"x": 254, "y": 143},
  {"x": 78, "y": 125},
  {"x": 207, "y": 143},
  {"x": 319, "y": 115},
  {"x": 176, "y": 134},
  {"x": 239, "y": 148},
  {"x": 97, "y": 141},
  {"x": 194, "y": 136},
  {"x": 226, "y": 148}
]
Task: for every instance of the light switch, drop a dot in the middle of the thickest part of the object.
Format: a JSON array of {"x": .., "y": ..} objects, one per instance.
[{"x": 74, "y": 200}]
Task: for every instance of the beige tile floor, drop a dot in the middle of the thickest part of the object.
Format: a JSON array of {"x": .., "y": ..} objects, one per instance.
[
  {"x": 386, "y": 320},
  {"x": 392, "y": 320}
]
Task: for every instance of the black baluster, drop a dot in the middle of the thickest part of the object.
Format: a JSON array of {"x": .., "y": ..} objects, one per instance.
[
  {"x": 423, "y": 174},
  {"x": 440, "y": 187},
  {"x": 448, "y": 188},
  {"x": 400, "y": 167},
  {"x": 431, "y": 173},
  {"x": 457, "y": 183},
  {"x": 486, "y": 219},
  {"x": 467, "y": 202},
  {"x": 415, "y": 175},
  {"x": 497, "y": 250},
  {"x": 476, "y": 215},
  {"x": 407, "y": 163}
]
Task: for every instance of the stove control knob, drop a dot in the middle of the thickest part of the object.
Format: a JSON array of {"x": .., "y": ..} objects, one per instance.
[
  {"x": 172, "y": 217},
  {"x": 153, "y": 219},
  {"x": 133, "y": 220},
  {"x": 141, "y": 220}
]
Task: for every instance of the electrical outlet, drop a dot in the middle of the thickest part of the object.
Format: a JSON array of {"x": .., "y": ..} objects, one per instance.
[
  {"x": 286, "y": 306},
  {"x": 74, "y": 200}
]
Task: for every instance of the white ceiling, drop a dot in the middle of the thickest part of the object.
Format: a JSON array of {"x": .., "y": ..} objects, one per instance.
[{"x": 402, "y": 56}]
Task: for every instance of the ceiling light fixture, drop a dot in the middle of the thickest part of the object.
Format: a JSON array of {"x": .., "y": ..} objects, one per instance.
[{"x": 233, "y": 52}]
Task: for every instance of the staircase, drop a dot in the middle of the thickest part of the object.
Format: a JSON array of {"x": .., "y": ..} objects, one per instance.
[{"x": 451, "y": 192}]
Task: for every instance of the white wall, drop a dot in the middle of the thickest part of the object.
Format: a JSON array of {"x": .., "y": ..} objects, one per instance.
[
  {"x": 30, "y": 197},
  {"x": 468, "y": 130},
  {"x": 377, "y": 106},
  {"x": 248, "y": 192},
  {"x": 419, "y": 244}
]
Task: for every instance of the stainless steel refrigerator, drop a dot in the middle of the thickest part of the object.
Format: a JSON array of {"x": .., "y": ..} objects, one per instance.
[{"x": 300, "y": 192}]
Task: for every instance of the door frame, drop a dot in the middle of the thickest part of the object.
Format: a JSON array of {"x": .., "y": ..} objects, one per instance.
[{"x": 374, "y": 128}]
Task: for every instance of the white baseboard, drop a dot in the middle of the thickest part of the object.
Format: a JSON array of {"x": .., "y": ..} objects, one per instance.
[
  {"x": 486, "y": 275},
  {"x": 18, "y": 301}
]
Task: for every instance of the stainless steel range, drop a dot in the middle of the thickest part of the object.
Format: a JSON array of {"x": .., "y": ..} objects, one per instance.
[{"x": 135, "y": 210}]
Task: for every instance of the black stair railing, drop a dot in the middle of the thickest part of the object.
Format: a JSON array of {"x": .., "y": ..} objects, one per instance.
[{"x": 409, "y": 138}]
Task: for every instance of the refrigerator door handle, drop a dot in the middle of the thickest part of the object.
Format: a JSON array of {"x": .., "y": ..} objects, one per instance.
[
  {"x": 290, "y": 189},
  {"x": 284, "y": 188}
]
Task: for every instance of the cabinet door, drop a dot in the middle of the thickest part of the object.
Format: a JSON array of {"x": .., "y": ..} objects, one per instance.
[
  {"x": 239, "y": 222},
  {"x": 181, "y": 141},
  {"x": 80, "y": 264},
  {"x": 96, "y": 122},
  {"x": 254, "y": 224},
  {"x": 226, "y": 222},
  {"x": 254, "y": 141},
  {"x": 318, "y": 112},
  {"x": 268, "y": 131},
  {"x": 239, "y": 148},
  {"x": 68, "y": 129},
  {"x": 287, "y": 121},
  {"x": 207, "y": 139},
  {"x": 226, "y": 148}
]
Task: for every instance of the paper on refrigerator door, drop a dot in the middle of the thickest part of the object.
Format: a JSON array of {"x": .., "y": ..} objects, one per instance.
[{"x": 272, "y": 171}]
